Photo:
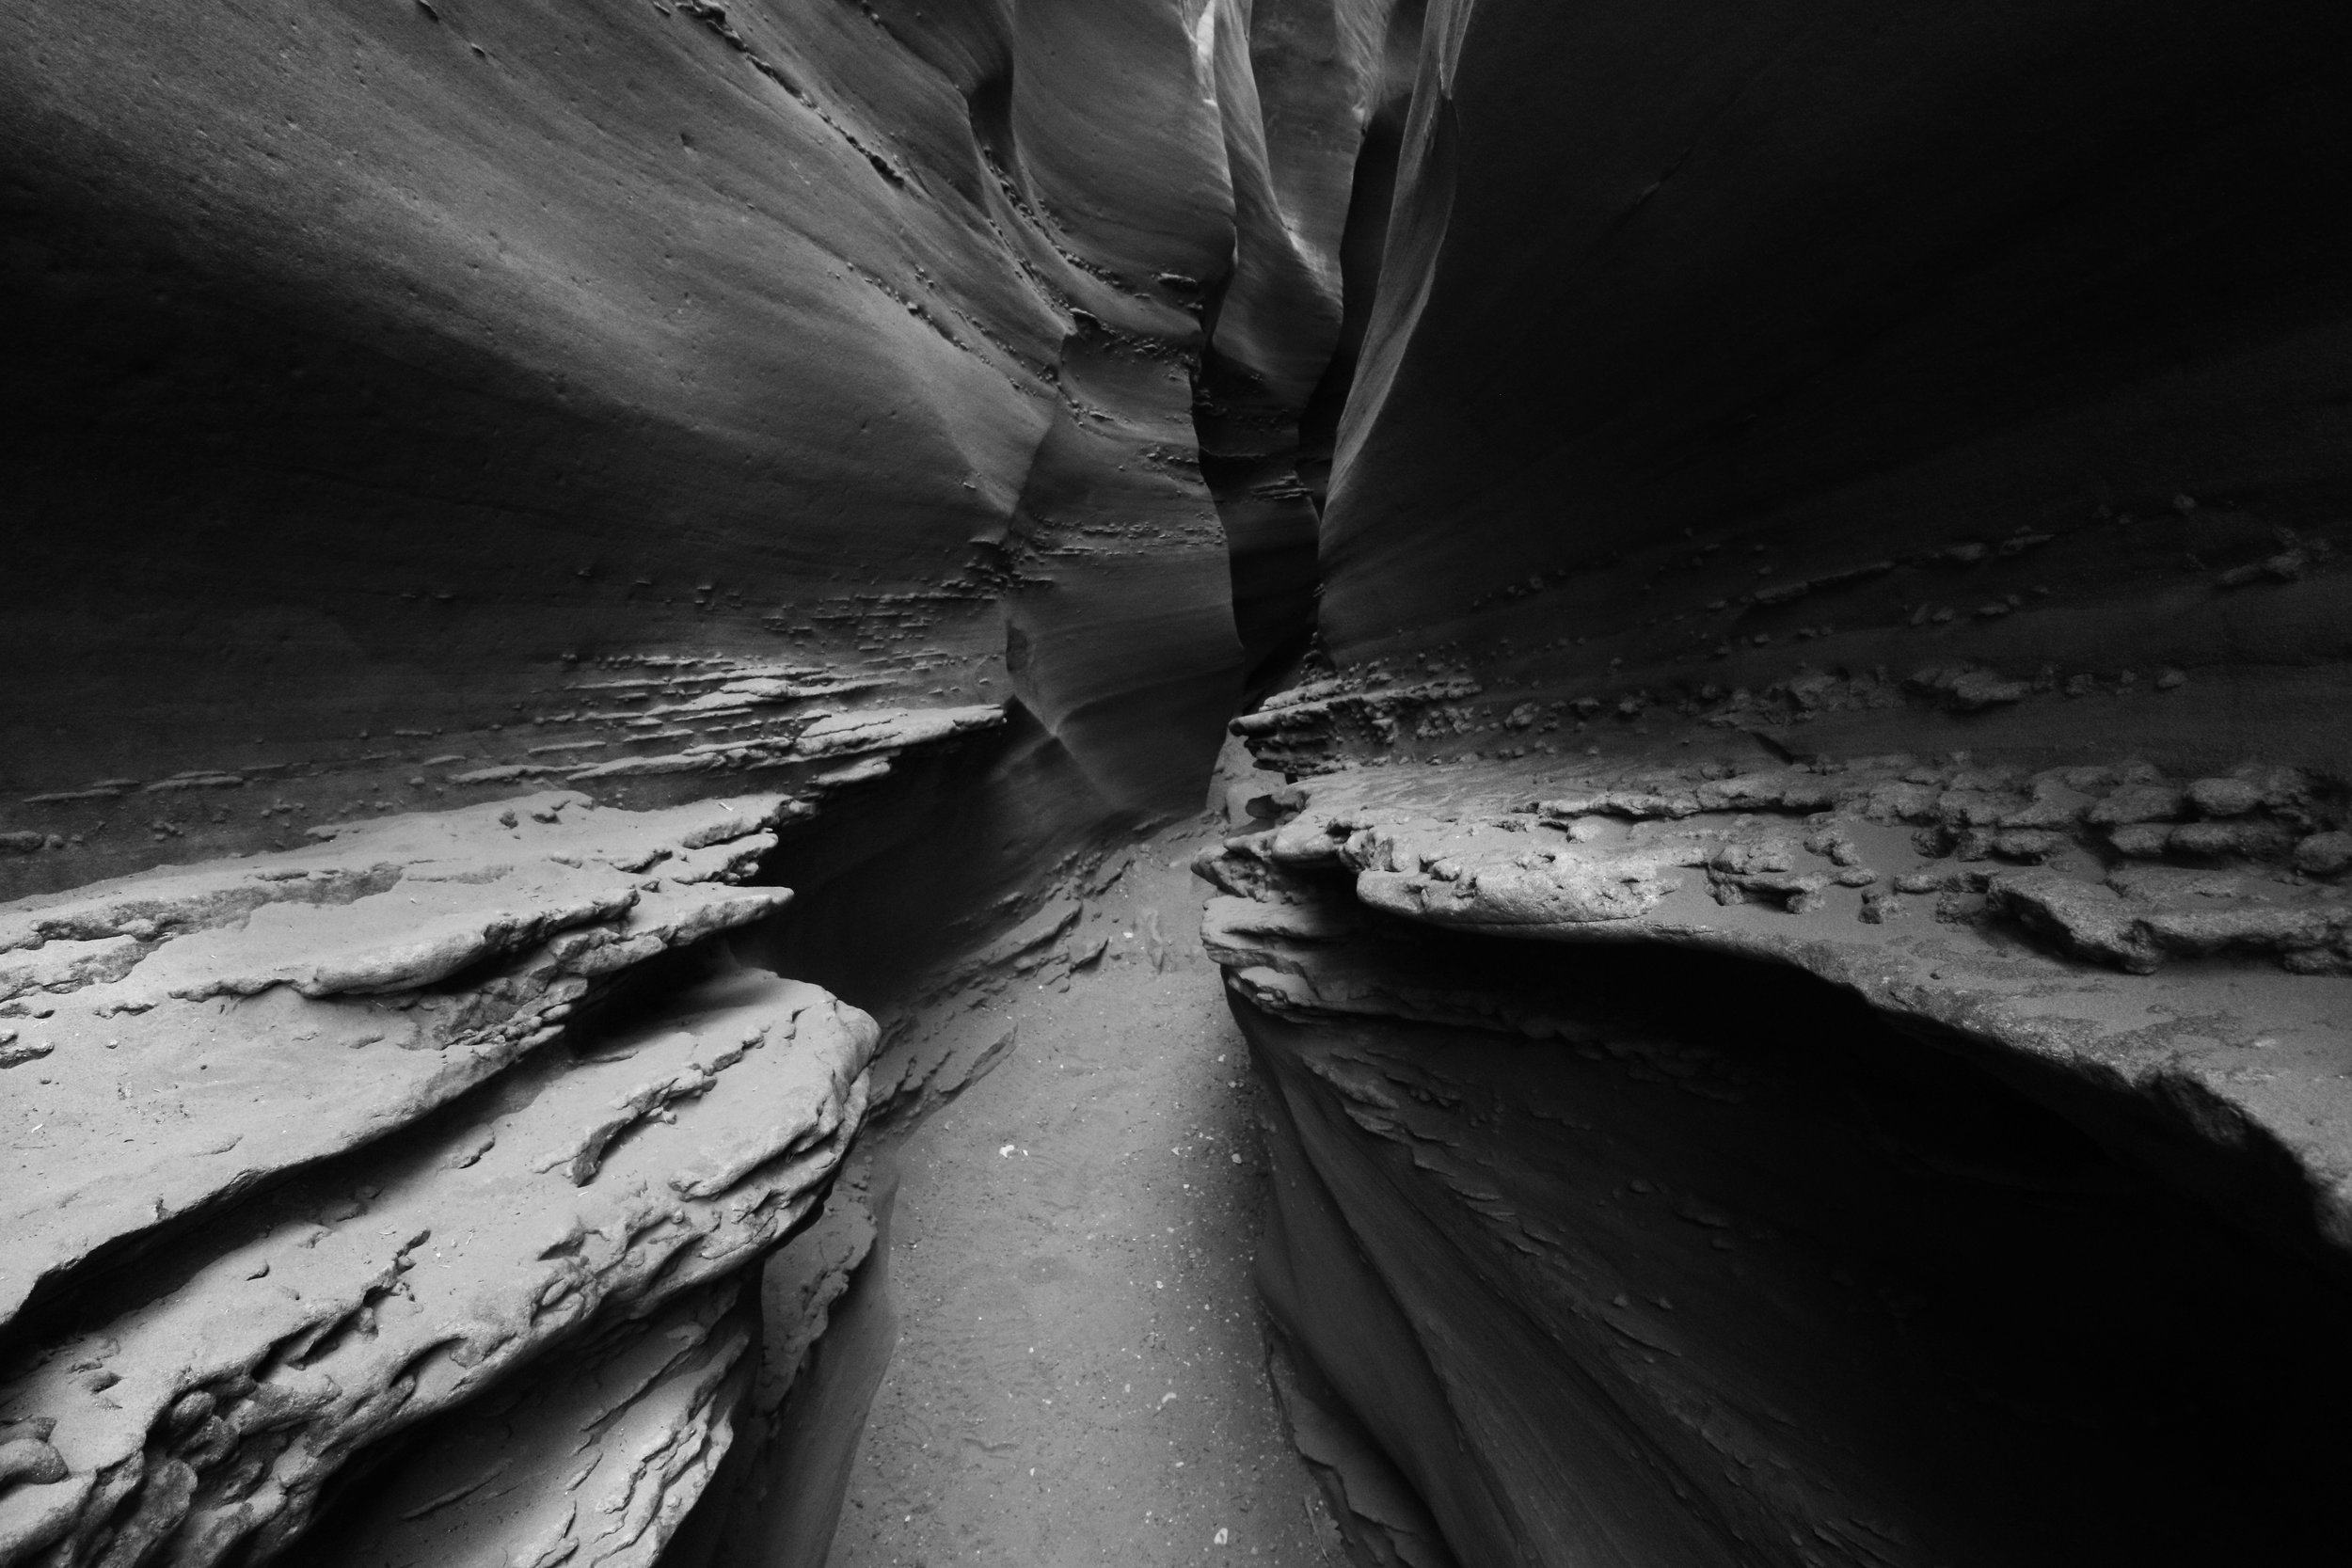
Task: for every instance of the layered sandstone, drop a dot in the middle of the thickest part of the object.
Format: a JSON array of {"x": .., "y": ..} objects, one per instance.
[{"x": 1784, "y": 571}]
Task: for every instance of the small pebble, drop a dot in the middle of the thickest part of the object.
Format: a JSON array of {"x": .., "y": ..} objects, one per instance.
[
  {"x": 2224, "y": 797},
  {"x": 2324, "y": 854}
]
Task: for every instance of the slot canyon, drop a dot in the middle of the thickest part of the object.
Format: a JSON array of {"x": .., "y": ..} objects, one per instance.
[{"x": 1420, "y": 784}]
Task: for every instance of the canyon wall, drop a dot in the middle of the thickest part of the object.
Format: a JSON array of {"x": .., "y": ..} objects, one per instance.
[
  {"x": 491, "y": 491},
  {"x": 1832, "y": 566},
  {"x": 1781, "y": 568},
  {"x": 379, "y": 371},
  {"x": 2013, "y": 338}
]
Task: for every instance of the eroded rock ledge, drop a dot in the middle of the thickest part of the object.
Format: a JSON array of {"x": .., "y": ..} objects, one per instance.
[
  {"x": 319, "y": 1145},
  {"x": 1824, "y": 1149},
  {"x": 1940, "y": 419}
]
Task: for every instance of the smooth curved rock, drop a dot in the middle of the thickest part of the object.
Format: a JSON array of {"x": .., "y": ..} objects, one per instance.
[
  {"x": 1821, "y": 529},
  {"x": 448, "y": 351},
  {"x": 1790, "y": 1291},
  {"x": 2001, "y": 344}
]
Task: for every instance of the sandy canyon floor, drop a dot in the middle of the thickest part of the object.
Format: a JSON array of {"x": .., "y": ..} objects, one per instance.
[{"x": 1080, "y": 1375}]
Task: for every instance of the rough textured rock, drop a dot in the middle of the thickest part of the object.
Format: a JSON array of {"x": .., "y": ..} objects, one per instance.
[
  {"x": 1886, "y": 554},
  {"x": 204, "y": 1399},
  {"x": 315, "y": 1146},
  {"x": 596, "y": 1461},
  {"x": 1802, "y": 1292},
  {"x": 2039, "y": 947},
  {"x": 433, "y": 347},
  {"x": 1790, "y": 565},
  {"x": 2001, "y": 341},
  {"x": 185, "y": 1034},
  {"x": 2012, "y": 975}
]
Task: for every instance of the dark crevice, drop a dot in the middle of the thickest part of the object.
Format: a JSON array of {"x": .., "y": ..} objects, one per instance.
[
  {"x": 1795, "y": 382},
  {"x": 778, "y": 1501},
  {"x": 926, "y": 864},
  {"x": 1268, "y": 462},
  {"x": 149, "y": 1264},
  {"x": 1996, "y": 1332},
  {"x": 988, "y": 107},
  {"x": 1361, "y": 245}
]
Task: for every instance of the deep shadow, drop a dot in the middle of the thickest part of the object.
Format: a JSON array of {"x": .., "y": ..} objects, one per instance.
[
  {"x": 893, "y": 881},
  {"x": 2001, "y": 1317}
]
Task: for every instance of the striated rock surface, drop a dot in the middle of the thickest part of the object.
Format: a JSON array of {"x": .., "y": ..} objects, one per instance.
[
  {"x": 375, "y": 1291},
  {"x": 331, "y": 1141},
  {"x": 1800, "y": 936},
  {"x": 180, "y": 1036},
  {"x": 1640, "y": 1286},
  {"x": 778, "y": 428},
  {"x": 1801, "y": 1291},
  {"x": 386, "y": 361},
  {"x": 1921, "y": 341},
  {"x": 1790, "y": 566},
  {"x": 596, "y": 1461}
]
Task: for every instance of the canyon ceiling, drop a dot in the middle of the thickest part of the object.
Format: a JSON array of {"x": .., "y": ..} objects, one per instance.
[{"x": 572, "y": 568}]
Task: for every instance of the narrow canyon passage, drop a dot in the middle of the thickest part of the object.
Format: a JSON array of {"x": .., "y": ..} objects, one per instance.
[
  {"x": 1079, "y": 1375},
  {"x": 1102, "y": 783}
]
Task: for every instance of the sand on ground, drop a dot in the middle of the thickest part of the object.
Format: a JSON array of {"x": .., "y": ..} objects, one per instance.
[{"x": 1080, "y": 1374}]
